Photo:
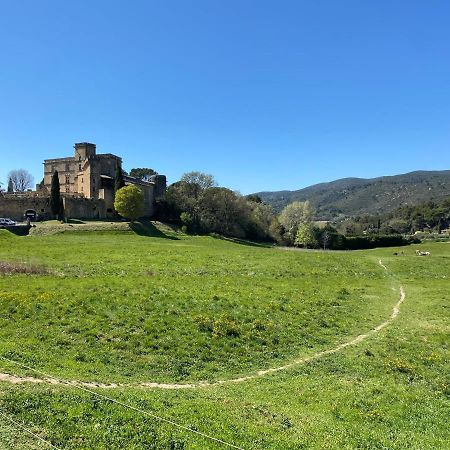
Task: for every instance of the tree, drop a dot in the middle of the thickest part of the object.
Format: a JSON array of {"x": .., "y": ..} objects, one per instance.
[
  {"x": 203, "y": 180},
  {"x": 61, "y": 209},
  {"x": 119, "y": 181},
  {"x": 187, "y": 221},
  {"x": 129, "y": 202},
  {"x": 325, "y": 238},
  {"x": 55, "y": 194},
  {"x": 260, "y": 220},
  {"x": 143, "y": 173},
  {"x": 220, "y": 210},
  {"x": 21, "y": 179},
  {"x": 293, "y": 215},
  {"x": 253, "y": 198},
  {"x": 305, "y": 236},
  {"x": 181, "y": 197},
  {"x": 10, "y": 186}
]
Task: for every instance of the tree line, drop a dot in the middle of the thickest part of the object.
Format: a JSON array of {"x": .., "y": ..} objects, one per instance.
[
  {"x": 431, "y": 216},
  {"x": 200, "y": 206}
]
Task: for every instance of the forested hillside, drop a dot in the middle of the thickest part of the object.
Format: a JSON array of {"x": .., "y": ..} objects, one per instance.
[{"x": 358, "y": 196}]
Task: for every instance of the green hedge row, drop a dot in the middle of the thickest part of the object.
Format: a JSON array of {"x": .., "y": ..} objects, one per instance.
[{"x": 373, "y": 241}]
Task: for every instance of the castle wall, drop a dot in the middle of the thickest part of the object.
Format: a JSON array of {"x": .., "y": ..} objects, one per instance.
[
  {"x": 84, "y": 208},
  {"x": 13, "y": 206},
  {"x": 148, "y": 199}
]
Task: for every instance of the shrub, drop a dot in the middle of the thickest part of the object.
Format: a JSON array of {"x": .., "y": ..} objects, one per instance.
[
  {"x": 204, "y": 323},
  {"x": 129, "y": 202},
  {"x": 225, "y": 327},
  {"x": 9, "y": 268}
]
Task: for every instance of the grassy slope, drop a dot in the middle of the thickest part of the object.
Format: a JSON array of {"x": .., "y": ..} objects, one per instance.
[{"x": 387, "y": 392}]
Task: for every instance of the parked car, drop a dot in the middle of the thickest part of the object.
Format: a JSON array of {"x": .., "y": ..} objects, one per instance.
[{"x": 6, "y": 222}]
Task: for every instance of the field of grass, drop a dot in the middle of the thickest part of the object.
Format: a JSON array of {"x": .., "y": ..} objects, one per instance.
[{"x": 121, "y": 304}]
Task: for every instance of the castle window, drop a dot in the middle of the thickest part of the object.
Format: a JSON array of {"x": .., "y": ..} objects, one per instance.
[
  {"x": 67, "y": 167},
  {"x": 79, "y": 167},
  {"x": 67, "y": 179},
  {"x": 67, "y": 189}
]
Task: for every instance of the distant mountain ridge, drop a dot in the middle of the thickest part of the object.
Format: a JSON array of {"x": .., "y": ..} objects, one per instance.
[{"x": 348, "y": 197}]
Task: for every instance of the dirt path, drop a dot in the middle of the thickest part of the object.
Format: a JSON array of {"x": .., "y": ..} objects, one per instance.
[{"x": 49, "y": 379}]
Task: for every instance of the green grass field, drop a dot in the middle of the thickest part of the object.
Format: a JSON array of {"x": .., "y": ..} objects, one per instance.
[{"x": 111, "y": 303}]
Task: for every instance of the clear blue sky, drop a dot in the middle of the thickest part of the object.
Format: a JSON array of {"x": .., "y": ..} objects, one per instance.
[{"x": 265, "y": 95}]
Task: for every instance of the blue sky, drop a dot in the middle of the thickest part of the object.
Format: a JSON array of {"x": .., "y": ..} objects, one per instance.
[{"x": 265, "y": 95}]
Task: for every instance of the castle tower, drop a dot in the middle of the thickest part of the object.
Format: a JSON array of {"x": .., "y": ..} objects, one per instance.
[{"x": 84, "y": 150}]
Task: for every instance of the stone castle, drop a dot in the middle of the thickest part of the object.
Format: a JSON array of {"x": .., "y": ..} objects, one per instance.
[{"x": 87, "y": 187}]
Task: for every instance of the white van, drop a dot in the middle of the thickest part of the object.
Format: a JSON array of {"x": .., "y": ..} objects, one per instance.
[{"x": 6, "y": 222}]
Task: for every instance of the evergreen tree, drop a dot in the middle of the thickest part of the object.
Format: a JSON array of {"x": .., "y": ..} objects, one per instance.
[
  {"x": 120, "y": 182},
  {"x": 55, "y": 195},
  {"x": 61, "y": 209},
  {"x": 10, "y": 186}
]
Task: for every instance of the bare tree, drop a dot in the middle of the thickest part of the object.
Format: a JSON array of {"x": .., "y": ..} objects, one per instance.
[
  {"x": 326, "y": 237},
  {"x": 21, "y": 179}
]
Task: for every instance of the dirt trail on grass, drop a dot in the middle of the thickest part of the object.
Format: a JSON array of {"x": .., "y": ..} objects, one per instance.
[{"x": 49, "y": 379}]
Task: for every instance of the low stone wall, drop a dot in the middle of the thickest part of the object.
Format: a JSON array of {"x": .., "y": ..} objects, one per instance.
[{"x": 14, "y": 207}]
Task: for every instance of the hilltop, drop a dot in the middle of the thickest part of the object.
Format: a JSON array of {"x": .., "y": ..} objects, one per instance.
[{"x": 357, "y": 196}]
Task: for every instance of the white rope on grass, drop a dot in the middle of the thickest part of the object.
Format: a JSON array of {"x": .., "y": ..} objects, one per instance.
[
  {"x": 54, "y": 380},
  {"x": 125, "y": 405},
  {"x": 24, "y": 428}
]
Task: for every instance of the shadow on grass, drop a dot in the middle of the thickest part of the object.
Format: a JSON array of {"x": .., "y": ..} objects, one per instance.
[
  {"x": 18, "y": 230},
  {"x": 242, "y": 241},
  {"x": 143, "y": 228},
  {"x": 76, "y": 221}
]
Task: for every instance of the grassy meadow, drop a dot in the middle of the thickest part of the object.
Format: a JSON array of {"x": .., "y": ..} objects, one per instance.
[{"x": 115, "y": 303}]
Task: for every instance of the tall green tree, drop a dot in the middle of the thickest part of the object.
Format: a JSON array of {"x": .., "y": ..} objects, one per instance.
[
  {"x": 55, "y": 194},
  {"x": 119, "y": 181},
  {"x": 203, "y": 180},
  {"x": 10, "y": 186},
  {"x": 61, "y": 209},
  {"x": 129, "y": 202},
  {"x": 293, "y": 215},
  {"x": 305, "y": 236}
]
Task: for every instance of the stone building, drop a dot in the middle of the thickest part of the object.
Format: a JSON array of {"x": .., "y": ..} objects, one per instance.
[{"x": 87, "y": 186}]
